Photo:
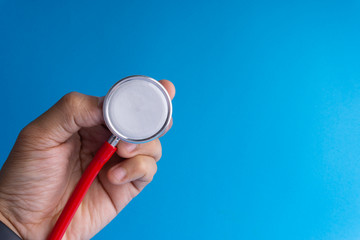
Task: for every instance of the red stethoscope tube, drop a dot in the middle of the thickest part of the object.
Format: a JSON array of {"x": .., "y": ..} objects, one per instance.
[{"x": 101, "y": 157}]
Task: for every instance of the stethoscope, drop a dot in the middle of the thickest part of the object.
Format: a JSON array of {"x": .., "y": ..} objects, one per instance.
[{"x": 136, "y": 109}]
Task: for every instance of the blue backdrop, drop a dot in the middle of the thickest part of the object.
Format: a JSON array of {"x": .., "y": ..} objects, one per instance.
[{"x": 266, "y": 135}]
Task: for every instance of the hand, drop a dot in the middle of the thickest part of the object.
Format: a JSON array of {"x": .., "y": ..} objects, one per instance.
[{"x": 49, "y": 158}]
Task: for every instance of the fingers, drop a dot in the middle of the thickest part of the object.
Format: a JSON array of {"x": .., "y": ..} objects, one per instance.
[
  {"x": 67, "y": 116},
  {"x": 139, "y": 165},
  {"x": 169, "y": 86},
  {"x": 123, "y": 181},
  {"x": 139, "y": 169},
  {"x": 168, "y": 127},
  {"x": 129, "y": 150}
]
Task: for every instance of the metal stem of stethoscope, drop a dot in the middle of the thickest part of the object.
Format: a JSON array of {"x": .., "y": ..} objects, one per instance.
[{"x": 113, "y": 140}]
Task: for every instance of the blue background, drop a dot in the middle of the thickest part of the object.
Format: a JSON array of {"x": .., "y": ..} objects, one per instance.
[{"x": 266, "y": 136}]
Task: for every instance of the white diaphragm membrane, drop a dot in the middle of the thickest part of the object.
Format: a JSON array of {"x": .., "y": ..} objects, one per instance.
[{"x": 137, "y": 109}]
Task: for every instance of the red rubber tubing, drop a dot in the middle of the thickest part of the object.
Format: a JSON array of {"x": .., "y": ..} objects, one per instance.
[{"x": 100, "y": 158}]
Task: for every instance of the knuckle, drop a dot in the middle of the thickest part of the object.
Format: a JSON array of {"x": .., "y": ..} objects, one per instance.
[
  {"x": 26, "y": 131},
  {"x": 155, "y": 149},
  {"x": 159, "y": 151},
  {"x": 72, "y": 100},
  {"x": 32, "y": 137},
  {"x": 146, "y": 165},
  {"x": 142, "y": 164},
  {"x": 30, "y": 130},
  {"x": 150, "y": 178},
  {"x": 151, "y": 173},
  {"x": 155, "y": 169},
  {"x": 158, "y": 157}
]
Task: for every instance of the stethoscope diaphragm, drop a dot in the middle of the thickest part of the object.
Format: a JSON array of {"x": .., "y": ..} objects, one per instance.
[{"x": 137, "y": 109}]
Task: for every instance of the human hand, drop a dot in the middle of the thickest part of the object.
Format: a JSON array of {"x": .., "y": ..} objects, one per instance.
[{"x": 48, "y": 160}]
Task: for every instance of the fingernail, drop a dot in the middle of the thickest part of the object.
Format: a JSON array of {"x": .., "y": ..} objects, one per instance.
[
  {"x": 130, "y": 146},
  {"x": 119, "y": 173}
]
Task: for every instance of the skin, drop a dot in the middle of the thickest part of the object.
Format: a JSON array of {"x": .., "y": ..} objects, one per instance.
[{"x": 48, "y": 160}]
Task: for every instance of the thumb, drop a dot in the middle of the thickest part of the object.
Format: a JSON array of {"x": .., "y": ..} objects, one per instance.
[{"x": 66, "y": 117}]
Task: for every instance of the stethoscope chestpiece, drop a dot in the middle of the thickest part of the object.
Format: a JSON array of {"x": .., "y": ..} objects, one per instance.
[{"x": 137, "y": 109}]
